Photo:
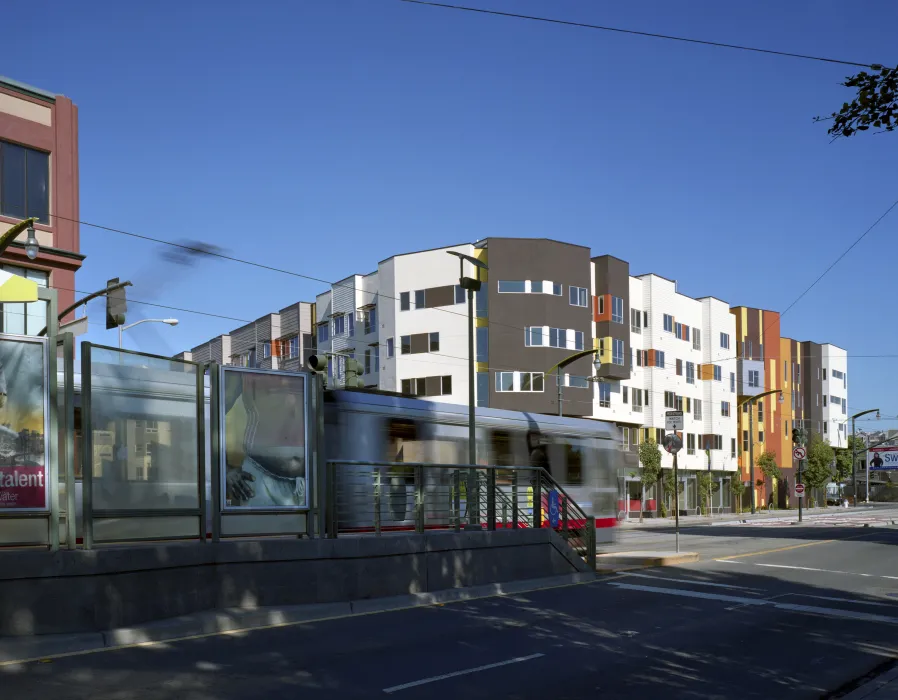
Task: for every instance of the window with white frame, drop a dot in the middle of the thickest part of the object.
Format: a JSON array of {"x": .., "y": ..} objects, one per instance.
[
  {"x": 659, "y": 358},
  {"x": 604, "y": 395},
  {"x": 670, "y": 399},
  {"x": 635, "y": 321},
  {"x": 637, "y": 400},
  {"x": 690, "y": 373},
  {"x": 668, "y": 323},
  {"x": 520, "y": 381},
  {"x": 697, "y": 409},
  {"x": 617, "y": 352},
  {"x": 536, "y": 336},
  {"x": 725, "y": 409},
  {"x": 266, "y": 349},
  {"x": 530, "y": 287},
  {"x": 531, "y": 381},
  {"x": 725, "y": 341},
  {"x": 339, "y": 325},
  {"x": 754, "y": 378},
  {"x": 696, "y": 339},
  {"x": 578, "y": 296},
  {"x": 733, "y": 382},
  {"x": 577, "y": 382},
  {"x": 718, "y": 374},
  {"x": 617, "y": 310}
]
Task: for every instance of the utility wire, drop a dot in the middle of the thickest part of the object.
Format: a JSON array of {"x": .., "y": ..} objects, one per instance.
[{"x": 619, "y": 30}]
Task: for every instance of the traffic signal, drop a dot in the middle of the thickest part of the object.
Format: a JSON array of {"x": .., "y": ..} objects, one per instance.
[
  {"x": 796, "y": 435},
  {"x": 116, "y": 305},
  {"x": 354, "y": 370},
  {"x": 317, "y": 363}
]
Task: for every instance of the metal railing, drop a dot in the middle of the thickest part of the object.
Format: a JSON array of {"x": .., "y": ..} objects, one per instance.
[{"x": 394, "y": 497}]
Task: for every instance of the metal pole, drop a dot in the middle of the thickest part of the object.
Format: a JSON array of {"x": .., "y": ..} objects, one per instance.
[
  {"x": 677, "y": 500},
  {"x": 751, "y": 453},
  {"x": 853, "y": 462},
  {"x": 119, "y": 337},
  {"x": 473, "y": 496},
  {"x": 800, "y": 500},
  {"x": 867, "y": 474},
  {"x": 560, "y": 388}
]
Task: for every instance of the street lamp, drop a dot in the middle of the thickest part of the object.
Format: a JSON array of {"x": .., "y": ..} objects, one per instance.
[
  {"x": 854, "y": 457},
  {"x": 564, "y": 363},
  {"x": 751, "y": 441},
  {"x": 167, "y": 321},
  {"x": 32, "y": 247}
]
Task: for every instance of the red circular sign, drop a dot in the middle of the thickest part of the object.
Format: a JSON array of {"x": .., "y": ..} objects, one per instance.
[{"x": 799, "y": 488}]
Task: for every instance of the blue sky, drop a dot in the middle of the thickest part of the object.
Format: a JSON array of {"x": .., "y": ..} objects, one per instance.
[{"x": 325, "y": 135}]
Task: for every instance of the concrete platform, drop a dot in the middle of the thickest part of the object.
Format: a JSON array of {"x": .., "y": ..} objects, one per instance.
[{"x": 624, "y": 561}]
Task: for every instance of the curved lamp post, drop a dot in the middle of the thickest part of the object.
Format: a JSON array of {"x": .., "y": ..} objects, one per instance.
[{"x": 166, "y": 321}]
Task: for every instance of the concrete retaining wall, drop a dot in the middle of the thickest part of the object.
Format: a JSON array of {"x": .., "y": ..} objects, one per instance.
[{"x": 90, "y": 591}]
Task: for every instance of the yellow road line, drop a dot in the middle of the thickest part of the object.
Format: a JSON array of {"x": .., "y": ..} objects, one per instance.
[
  {"x": 793, "y": 546},
  {"x": 277, "y": 625}
]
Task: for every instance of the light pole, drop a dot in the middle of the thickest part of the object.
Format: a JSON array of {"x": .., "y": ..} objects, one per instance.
[
  {"x": 751, "y": 437},
  {"x": 31, "y": 245},
  {"x": 122, "y": 329},
  {"x": 854, "y": 457},
  {"x": 561, "y": 365}
]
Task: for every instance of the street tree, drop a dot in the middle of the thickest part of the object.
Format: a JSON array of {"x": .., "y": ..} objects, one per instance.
[
  {"x": 844, "y": 457},
  {"x": 737, "y": 486},
  {"x": 704, "y": 490},
  {"x": 766, "y": 462},
  {"x": 819, "y": 470},
  {"x": 875, "y": 104},
  {"x": 650, "y": 457}
]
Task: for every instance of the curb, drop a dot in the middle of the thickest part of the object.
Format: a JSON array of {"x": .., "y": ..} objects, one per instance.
[
  {"x": 869, "y": 689},
  {"x": 19, "y": 650},
  {"x": 628, "y": 561}
]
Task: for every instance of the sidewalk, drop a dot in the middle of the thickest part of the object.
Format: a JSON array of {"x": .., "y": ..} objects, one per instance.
[
  {"x": 792, "y": 514},
  {"x": 885, "y": 687}
]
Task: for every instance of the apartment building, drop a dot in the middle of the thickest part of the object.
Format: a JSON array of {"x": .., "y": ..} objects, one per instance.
[
  {"x": 39, "y": 178},
  {"x": 813, "y": 379},
  {"x": 282, "y": 340}
]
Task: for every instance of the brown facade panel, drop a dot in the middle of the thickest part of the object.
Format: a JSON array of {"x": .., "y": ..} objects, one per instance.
[{"x": 439, "y": 296}]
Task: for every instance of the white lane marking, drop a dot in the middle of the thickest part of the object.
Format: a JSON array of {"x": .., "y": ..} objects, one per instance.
[
  {"x": 691, "y": 594},
  {"x": 812, "y": 609},
  {"x": 730, "y": 561},
  {"x": 693, "y": 582},
  {"x": 434, "y": 679},
  {"x": 808, "y": 568},
  {"x": 839, "y": 600}
]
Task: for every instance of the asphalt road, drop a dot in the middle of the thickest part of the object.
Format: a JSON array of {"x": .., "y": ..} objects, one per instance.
[{"x": 790, "y": 612}]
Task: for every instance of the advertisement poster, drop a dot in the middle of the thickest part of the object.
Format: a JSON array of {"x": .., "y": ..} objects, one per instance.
[
  {"x": 23, "y": 463},
  {"x": 264, "y": 434},
  {"x": 882, "y": 459}
]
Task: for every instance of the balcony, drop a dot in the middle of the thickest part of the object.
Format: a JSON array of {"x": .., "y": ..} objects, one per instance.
[{"x": 609, "y": 371}]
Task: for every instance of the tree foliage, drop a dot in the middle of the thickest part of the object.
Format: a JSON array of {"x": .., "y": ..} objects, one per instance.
[
  {"x": 819, "y": 470},
  {"x": 876, "y": 103},
  {"x": 844, "y": 456},
  {"x": 738, "y": 488},
  {"x": 704, "y": 489},
  {"x": 650, "y": 456},
  {"x": 766, "y": 461}
]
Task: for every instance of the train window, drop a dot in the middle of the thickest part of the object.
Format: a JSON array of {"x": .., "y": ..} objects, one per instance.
[
  {"x": 574, "y": 460},
  {"x": 402, "y": 438},
  {"x": 500, "y": 448}
]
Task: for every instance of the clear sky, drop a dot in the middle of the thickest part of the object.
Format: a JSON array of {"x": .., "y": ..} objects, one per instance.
[{"x": 325, "y": 135}]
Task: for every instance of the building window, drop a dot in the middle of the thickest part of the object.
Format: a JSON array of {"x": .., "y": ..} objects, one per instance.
[
  {"x": 459, "y": 294},
  {"x": 377, "y": 358},
  {"x": 481, "y": 303},
  {"x": 761, "y": 412},
  {"x": 578, "y": 296},
  {"x": 617, "y": 352},
  {"x": 754, "y": 378},
  {"x": 696, "y": 339},
  {"x": 668, "y": 323},
  {"x": 389, "y": 347},
  {"x": 659, "y": 358},
  {"x": 645, "y": 319},
  {"x": 367, "y": 360},
  {"x": 558, "y": 337},
  {"x": 745, "y": 441},
  {"x": 725, "y": 341},
  {"x": 624, "y": 394},
  {"x": 532, "y": 381},
  {"x": 578, "y": 342},
  {"x": 483, "y": 344},
  {"x": 504, "y": 381},
  {"x": 604, "y": 395},
  {"x": 761, "y": 436},
  {"x": 512, "y": 287},
  {"x": 824, "y": 400},
  {"x": 645, "y": 397},
  {"x": 405, "y": 344},
  {"x": 434, "y": 342},
  {"x": 718, "y": 375},
  {"x": 577, "y": 382},
  {"x": 534, "y": 336},
  {"x": 617, "y": 310},
  {"x": 351, "y": 324},
  {"x": 824, "y": 427},
  {"x": 725, "y": 409},
  {"x": 292, "y": 344},
  {"x": 404, "y": 302},
  {"x": 690, "y": 444},
  {"x": 420, "y": 302},
  {"x": 638, "y": 354},
  {"x": 427, "y": 386},
  {"x": 635, "y": 321},
  {"x": 637, "y": 400},
  {"x": 322, "y": 332},
  {"x": 266, "y": 349},
  {"x": 601, "y": 304},
  {"x": 690, "y": 373},
  {"x": 697, "y": 409},
  {"x": 446, "y": 384},
  {"x": 339, "y": 325},
  {"x": 24, "y": 182},
  {"x": 370, "y": 321},
  {"x": 483, "y": 389},
  {"x": 733, "y": 448},
  {"x": 670, "y": 399},
  {"x": 679, "y": 364},
  {"x": 733, "y": 382}
]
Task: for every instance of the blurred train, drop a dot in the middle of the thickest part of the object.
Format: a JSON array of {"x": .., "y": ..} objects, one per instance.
[{"x": 582, "y": 455}]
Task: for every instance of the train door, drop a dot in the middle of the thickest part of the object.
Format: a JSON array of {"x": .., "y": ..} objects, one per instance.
[{"x": 402, "y": 445}]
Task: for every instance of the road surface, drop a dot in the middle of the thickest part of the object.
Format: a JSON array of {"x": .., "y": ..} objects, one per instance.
[{"x": 789, "y": 612}]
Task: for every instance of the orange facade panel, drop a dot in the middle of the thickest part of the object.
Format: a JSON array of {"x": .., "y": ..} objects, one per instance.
[{"x": 601, "y": 308}]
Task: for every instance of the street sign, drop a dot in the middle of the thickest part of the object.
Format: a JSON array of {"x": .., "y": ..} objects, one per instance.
[
  {"x": 799, "y": 452},
  {"x": 553, "y": 508},
  {"x": 673, "y": 443},
  {"x": 799, "y": 490},
  {"x": 673, "y": 420}
]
